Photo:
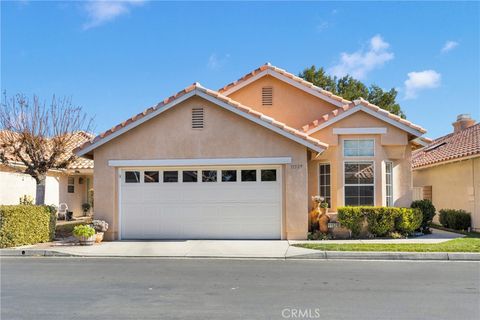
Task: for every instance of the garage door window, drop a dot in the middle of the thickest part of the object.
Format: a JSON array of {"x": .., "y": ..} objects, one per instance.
[
  {"x": 229, "y": 175},
  {"x": 189, "y": 176},
  {"x": 269, "y": 175},
  {"x": 209, "y": 176},
  {"x": 150, "y": 176},
  {"x": 132, "y": 176},
  {"x": 249, "y": 175},
  {"x": 170, "y": 176}
]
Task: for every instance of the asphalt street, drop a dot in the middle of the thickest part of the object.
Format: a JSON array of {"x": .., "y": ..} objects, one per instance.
[{"x": 131, "y": 288}]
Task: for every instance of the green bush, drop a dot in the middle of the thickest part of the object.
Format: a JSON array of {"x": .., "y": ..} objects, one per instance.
[
  {"x": 25, "y": 224},
  {"x": 408, "y": 220},
  {"x": 455, "y": 219},
  {"x": 428, "y": 212},
  {"x": 83, "y": 230},
  {"x": 351, "y": 218},
  {"x": 381, "y": 220}
]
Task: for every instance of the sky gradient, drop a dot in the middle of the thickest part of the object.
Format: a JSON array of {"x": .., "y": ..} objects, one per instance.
[{"x": 117, "y": 58}]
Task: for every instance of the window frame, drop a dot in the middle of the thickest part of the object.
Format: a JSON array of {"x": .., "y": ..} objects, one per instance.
[
  {"x": 320, "y": 183},
  {"x": 356, "y": 185},
  {"x": 71, "y": 184},
  {"x": 140, "y": 175},
  {"x": 358, "y": 139},
  {"x": 387, "y": 196}
]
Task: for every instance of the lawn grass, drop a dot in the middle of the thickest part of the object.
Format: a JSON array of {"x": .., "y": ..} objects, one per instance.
[{"x": 470, "y": 243}]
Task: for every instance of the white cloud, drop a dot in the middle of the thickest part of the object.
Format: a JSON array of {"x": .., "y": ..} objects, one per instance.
[
  {"x": 216, "y": 62},
  {"x": 358, "y": 64},
  {"x": 449, "y": 46},
  {"x": 421, "y": 80},
  {"x": 103, "y": 11},
  {"x": 322, "y": 26}
]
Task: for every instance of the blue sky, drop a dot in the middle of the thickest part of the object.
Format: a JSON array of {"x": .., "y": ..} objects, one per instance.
[{"x": 117, "y": 58}]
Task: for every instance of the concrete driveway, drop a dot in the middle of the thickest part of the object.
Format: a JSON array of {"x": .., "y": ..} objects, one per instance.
[{"x": 186, "y": 248}]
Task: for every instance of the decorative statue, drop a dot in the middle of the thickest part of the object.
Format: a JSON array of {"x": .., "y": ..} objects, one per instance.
[{"x": 319, "y": 214}]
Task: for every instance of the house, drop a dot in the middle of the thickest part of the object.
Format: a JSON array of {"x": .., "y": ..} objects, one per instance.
[
  {"x": 447, "y": 171},
  {"x": 73, "y": 186},
  {"x": 242, "y": 162}
]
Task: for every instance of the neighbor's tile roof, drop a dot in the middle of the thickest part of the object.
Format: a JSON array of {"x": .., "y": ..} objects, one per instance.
[
  {"x": 212, "y": 93},
  {"x": 287, "y": 74},
  {"x": 336, "y": 112},
  {"x": 465, "y": 143},
  {"x": 78, "y": 138}
]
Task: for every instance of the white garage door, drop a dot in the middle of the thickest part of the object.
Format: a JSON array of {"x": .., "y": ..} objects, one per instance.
[{"x": 201, "y": 203}]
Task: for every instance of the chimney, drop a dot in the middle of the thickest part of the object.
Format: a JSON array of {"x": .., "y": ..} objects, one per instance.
[{"x": 463, "y": 122}]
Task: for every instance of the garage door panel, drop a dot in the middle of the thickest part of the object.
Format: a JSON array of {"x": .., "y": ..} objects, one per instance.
[{"x": 201, "y": 210}]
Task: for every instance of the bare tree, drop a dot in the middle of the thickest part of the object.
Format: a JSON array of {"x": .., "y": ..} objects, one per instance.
[{"x": 36, "y": 138}]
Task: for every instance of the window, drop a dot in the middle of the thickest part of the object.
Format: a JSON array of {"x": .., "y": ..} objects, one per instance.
[
  {"x": 229, "y": 175},
  {"x": 132, "y": 176},
  {"x": 249, "y": 175},
  {"x": 359, "y": 183},
  {"x": 324, "y": 179},
  {"x": 170, "y": 176},
  {"x": 209, "y": 176},
  {"x": 189, "y": 176},
  {"x": 150, "y": 176},
  {"x": 388, "y": 183},
  {"x": 269, "y": 175},
  {"x": 359, "y": 148},
  {"x": 71, "y": 185},
  {"x": 267, "y": 96},
  {"x": 197, "y": 118}
]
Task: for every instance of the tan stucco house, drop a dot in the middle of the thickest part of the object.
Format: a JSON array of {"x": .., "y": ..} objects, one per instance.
[
  {"x": 242, "y": 162},
  {"x": 72, "y": 186},
  {"x": 447, "y": 171}
]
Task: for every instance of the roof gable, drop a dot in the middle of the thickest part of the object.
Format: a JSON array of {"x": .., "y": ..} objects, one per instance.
[
  {"x": 284, "y": 76},
  {"x": 214, "y": 97},
  {"x": 367, "y": 107}
]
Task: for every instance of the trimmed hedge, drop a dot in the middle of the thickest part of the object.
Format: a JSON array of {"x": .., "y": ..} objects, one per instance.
[
  {"x": 455, "y": 219},
  {"x": 26, "y": 224},
  {"x": 380, "y": 221},
  {"x": 428, "y": 212}
]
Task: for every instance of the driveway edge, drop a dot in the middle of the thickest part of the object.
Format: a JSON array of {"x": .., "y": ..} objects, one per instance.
[{"x": 320, "y": 255}]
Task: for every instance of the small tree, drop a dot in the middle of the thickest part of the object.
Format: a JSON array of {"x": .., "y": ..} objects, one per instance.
[{"x": 36, "y": 138}]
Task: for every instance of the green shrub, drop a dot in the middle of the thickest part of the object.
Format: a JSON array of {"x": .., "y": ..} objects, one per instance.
[
  {"x": 455, "y": 219},
  {"x": 351, "y": 218},
  {"x": 25, "y": 224},
  {"x": 428, "y": 212},
  {"x": 381, "y": 220},
  {"x": 408, "y": 220},
  {"x": 83, "y": 230}
]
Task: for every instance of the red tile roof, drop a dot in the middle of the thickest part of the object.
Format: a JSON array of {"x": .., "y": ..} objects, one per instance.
[
  {"x": 360, "y": 102},
  {"x": 453, "y": 146},
  {"x": 216, "y": 95},
  {"x": 287, "y": 74},
  {"x": 77, "y": 139}
]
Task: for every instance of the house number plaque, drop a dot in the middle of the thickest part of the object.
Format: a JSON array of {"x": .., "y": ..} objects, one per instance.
[{"x": 296, "y": 166}]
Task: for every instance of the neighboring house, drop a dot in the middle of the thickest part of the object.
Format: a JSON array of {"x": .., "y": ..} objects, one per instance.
[
  {"x": 73, "y": 186},
  {"x": 447, "y": 171},
  {"x": 243, "y": 162}
]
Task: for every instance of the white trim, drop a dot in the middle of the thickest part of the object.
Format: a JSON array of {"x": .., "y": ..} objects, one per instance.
[
  {"x": 381, "y": 130},
  {"x": 374, "y": 179},
  {"x": 119, "y": 191},
  {"x": 286, "y": 79},
  {"x": 392, "y": 182},
  {"x": 214, "y": 100},
  {"x": 319, "y": 183},
  {"x": 421, "y": 142},
  {"x": 198, "y": 162},
  {"x": 370, "y": 112}
]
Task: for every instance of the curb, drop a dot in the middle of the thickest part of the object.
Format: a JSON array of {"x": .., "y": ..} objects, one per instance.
[{"x": 320, "y": 255}]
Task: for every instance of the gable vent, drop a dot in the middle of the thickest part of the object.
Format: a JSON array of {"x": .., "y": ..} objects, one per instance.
[
  {"x": 197, "y": 118},
  {"x": 267, "y": 96}
]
